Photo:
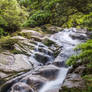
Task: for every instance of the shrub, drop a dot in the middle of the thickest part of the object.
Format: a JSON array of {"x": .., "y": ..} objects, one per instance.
[
  {"x": 11, "y": 15},
  {"x": 84, "y": 56},
  {"x": 1, "y": 32},
  {"x": 87, "y": 22},
  {"x": 38, "y": 18}
]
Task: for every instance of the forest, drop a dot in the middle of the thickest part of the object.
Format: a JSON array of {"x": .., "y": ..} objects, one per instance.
[{"x": 26, "y": 23}]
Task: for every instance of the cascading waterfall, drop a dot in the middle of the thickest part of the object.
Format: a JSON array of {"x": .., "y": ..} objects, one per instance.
[{"x": 49, "y": 77}]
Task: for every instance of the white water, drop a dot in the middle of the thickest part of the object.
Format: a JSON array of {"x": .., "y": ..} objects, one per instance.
[
  {"x": 63, "y": 39},
  {"x": 55, "y": 84}
]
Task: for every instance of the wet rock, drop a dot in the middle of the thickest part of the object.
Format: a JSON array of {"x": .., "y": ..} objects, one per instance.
[
  {"x": 79, "y": 30},
  {"x": 42, "y": 58},
  {"x": 21, "y": 87},
  {"x": 52, "y": 46},
  {"x": 57, "y": 51},
  {"x": 60, "y": 64},
  {"x": 78, "y": 36},
  {"x": 46, "y": 51},
  {"x": 73, "y": 81},
  {"x": 48, "y": 42},
  {"x": 34, "y": 81},
  {"x": 49, "y": 72}
]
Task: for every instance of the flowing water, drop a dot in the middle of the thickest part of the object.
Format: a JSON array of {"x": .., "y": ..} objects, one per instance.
[{"x": 48, "y": 72}]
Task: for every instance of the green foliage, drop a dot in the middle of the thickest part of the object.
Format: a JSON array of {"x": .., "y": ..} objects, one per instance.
[
  {"x": 66, "y": 13},
  {"x": 72, "y": 60},
  {"x": 1, "y": 32},
  {"x": 11, "y": 15},
  {"x": 85, "y": 55},
  {"x": 38, "y": 18},
  {"x": 88, "y": 89},
  {"x": 87, "y": 21}
]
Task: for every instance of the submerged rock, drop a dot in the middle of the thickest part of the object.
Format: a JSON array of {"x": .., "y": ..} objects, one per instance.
[
  {"x": 34, "y": 81},
  {"x": 80, "y": 36},
  {"x": 42, "y": 58},
  {"x": 49, "y": 72}
]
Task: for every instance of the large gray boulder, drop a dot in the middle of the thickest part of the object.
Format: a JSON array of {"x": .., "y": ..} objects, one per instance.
[{"x": 13, "y": 63}]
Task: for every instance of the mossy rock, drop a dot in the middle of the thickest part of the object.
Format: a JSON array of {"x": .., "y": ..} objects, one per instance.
[
  {"x": 48, "y": 28},
  {"x": 48, "y": 42},
  {"x": 7, "y": 43}
]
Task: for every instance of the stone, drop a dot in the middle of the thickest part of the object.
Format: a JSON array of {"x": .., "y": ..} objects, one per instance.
[
  {"x": 49, "y": 72},
  {"x": 34, "y": 81},
  {"x": 79, "y": 36},
  {"x": 29, "y": 33},
  {"x": 73, "y": 81},
  {"x": 42, "y": 58},
  {"x": 3, "y": 75},
  {"x": 80, "y": 69},
  {"x": 14, "y": 63},
  {"x": 51, "y": 29},
  {"x": 21, "y": 87},
  {"x": 18, "y": 37}
]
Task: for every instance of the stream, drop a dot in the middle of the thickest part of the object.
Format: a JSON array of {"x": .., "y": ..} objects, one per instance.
[{"x": 48, "y": 72}]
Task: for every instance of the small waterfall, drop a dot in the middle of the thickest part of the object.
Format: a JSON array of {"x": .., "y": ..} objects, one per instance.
[
  {"x": 48, "y": 72},
  {"x": 55, "y": 84}
]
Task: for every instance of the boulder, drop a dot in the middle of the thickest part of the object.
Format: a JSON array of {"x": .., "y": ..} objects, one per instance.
[
  {"x": 13, "y": 63},
  {"x": 49, "y": 72},
  {"x": 73, "y": 81},
  {"x": 51, "y": 29},
  {"x": 18, "y": 37},
  {"x": 42, "y": 58},
  {"x": 34, "y": 81},
  {"x": 60, "y": 64},
  {"x": 3, "y": 75},
  {"x": 21, "y": 87},
  {"x": 79, "y": 36},
  {"x": 29, "y": 33}
]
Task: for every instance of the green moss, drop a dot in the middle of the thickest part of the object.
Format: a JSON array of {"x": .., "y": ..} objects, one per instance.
[
  {"x": 7, "y": 43},
  {"x": 14, "y": 51},
  {"x": 48, "y": 42}
]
